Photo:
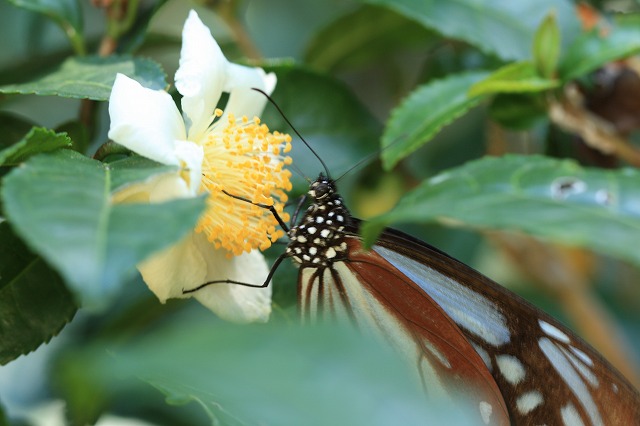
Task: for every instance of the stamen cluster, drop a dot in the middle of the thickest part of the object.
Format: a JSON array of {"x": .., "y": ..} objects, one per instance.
[{"x": 245, "y": 159}]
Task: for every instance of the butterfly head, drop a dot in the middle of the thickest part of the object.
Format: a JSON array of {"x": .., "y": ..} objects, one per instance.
[{"x": 322, "y": 188}]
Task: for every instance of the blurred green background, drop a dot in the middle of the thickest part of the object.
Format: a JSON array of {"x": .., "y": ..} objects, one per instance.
[{"x": 343, "y": 67}]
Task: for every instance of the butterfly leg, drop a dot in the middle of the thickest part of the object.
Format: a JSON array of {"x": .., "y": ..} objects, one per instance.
[
  {"x": 272, "y": 271},
  {"x": 264, "y": 206}
]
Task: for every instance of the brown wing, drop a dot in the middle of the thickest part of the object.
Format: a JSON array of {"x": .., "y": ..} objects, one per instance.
[
  {"x": 547, "y": 374},
  {"x": 378, "y": 297}
]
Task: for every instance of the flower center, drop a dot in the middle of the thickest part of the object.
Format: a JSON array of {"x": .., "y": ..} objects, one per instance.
[{"x": 243, "y": 158}]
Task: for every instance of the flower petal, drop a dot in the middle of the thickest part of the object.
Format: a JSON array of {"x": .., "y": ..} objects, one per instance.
[
  {"x": 177, "y": 268},
  {"x": 191, "y": 155},
  {"x": 234, "y": 302},
  {"x": 145, "y": 121},
  {"x": 242, "y": 99},
  {"x": 201, "y": 75},
  {"x": 195, "y": 261}
]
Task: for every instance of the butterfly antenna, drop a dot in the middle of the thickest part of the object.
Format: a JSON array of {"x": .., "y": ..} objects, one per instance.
[
  {"x": 371, "y": 156},
  {"x": 326, "y": 169},
  {"x": 360, "y": 163}
]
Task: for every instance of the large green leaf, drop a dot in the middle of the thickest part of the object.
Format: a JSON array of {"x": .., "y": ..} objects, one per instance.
[
  {"x": 600, "y": 46},
  {"x": 555, "y": 199},
  {"x": 60, "y": 204},
  {"x": 501, "y": 27},
  {"x": 517, "y": 77},
  {"x": 245, "y": 375},
  {"x": 91, "y": 77},
  {"x": 424, "y": 112},
  {"x": 134, "y": 169},
  {"x": 34, "y": 302},
  {"x": 37, "y": 141},
  {"x": 66, "y": 13}
]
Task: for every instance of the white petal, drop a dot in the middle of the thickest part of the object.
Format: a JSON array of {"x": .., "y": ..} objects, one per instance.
[
  {"x": 195, "y": 261},
  {"x": 243, "y": 100},
  {"x": 201, "y": 75},
  {"x": 234, "y": 302},
  {"x": 145, "y": 121},
  {"x": 177, "y": 268},
  {"x": 191, "y": 155},
  {"x": 156, "y": 189}
]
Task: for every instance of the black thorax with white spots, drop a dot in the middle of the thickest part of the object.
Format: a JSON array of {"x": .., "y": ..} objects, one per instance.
[{"x": 319, "y": 240}]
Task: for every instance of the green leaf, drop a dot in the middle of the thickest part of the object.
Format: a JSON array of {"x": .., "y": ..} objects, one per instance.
[
  {"x": 91, "y": 77},
  {"x": 600, "y": 46},
  {"x": 34, "y": 302},
  {"x": 546, "y": 46},
  {"x": 37, "y": 141},
  {"x": 135, "y": 169},
  {"x": 244, "y": 375},
  {"x": 517, "y": 77},
  {"x": 501, "y": 27},
  {"x": 421, "y": 115},
  {"x": 78, "y": 132},
  {"x": 66, "y": 13},
  {"x": 554, "y": 199},
  {"x": 366, "y": 34},
  {"x": 326, "y": 114},
  {"x": 60, "y": 204},
  {"x": 3, "y": 417}
]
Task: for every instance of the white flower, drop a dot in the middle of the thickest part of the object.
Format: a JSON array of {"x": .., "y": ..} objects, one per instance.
[{"x": 214, "y": 151}]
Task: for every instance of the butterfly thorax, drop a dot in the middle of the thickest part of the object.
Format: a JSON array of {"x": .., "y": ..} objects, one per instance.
[{"x": 319, "y": 240}]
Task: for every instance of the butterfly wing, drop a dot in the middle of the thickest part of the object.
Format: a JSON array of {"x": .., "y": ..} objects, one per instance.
[
  {"x": 379, "y": 298},
  {"x": 460, "y": 329},
  {"x": 546, "y": 373}
]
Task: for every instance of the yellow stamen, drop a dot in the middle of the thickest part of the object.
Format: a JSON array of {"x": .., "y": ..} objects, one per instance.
[{"x": 244, "y": 159}]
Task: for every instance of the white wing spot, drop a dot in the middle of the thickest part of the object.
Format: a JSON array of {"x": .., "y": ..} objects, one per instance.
[
  {"x": 511, "y": 368},
  {"x": 313, "y": 250},
  {"x": 325, "y": 233},
  {"x": 563, "y": 366},
  {"x": 330, "y": 253},
  {"x": 570, "y": 416},
  {"x": 584, "y": 357},
  {"x": 485, "y": 411},
  {"x": 312, "y": 229},
  {"x": 553, "y": 331},
  {"x": 581, "y": 367},
  {"x": 319, "y": 219},
  {"x": 484, "y": 355},
  {"x": 528, "y": 401},
  {"x": 302, "y": 239}
]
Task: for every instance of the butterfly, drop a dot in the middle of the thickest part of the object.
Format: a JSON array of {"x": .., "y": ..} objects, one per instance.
[{"x": 462, "y": 331}]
